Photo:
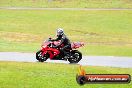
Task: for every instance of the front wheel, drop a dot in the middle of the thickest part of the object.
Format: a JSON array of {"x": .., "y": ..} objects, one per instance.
[
  {"x": 40, "y": 57},
  {"x": 76, "y": 56}
]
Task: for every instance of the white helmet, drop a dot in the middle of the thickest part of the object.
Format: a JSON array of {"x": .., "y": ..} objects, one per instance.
[{"x": 59, "y": 32}]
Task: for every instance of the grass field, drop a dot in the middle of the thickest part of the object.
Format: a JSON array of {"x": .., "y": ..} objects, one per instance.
[
  {"x": 47, "y": 75},
  {"x": 104, "y": 32},
  {"x": 68, "y": 3}
]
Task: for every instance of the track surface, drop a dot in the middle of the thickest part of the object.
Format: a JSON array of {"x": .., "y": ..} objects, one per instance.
[{"x": 123, "y": 62}]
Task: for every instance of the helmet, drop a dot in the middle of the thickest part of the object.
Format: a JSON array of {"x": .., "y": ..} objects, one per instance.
[{"x": 59, "y": 32}]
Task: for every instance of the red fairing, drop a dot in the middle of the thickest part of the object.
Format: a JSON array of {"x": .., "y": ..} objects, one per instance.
[{"x": 47, "y": 49}]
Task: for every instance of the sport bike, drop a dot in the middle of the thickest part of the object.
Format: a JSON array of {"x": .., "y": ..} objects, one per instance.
[{"x": 47, "y": 51}]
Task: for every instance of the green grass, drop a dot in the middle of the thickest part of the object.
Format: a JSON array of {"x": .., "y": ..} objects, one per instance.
[
  {"x": 68, "y": 3},
  {"x": 104, "y": 32},
  {"x": 47, "y": 75}
]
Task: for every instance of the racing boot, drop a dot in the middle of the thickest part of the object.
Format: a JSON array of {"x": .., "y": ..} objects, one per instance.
[{"x": 66, "y": 55}]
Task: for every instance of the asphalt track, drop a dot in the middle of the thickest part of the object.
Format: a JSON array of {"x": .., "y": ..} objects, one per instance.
[{"x": 122, "y": 62}]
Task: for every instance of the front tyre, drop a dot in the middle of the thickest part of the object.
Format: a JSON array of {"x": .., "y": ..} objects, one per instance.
[
  {"x": 76, "y": 56},
  {"x": 40, "y": 57}
]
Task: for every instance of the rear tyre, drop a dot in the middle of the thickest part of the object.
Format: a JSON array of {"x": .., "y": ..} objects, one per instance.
[
  {"x": 40, "y": 57},
  {"x": 76, "y": 56}
]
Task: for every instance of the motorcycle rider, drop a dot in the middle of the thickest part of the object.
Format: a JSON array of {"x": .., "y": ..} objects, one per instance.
[{"x": 63, "y": 40}]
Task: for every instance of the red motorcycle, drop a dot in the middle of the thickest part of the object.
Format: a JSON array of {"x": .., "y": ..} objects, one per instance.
[{"x": 47, "y": 51}]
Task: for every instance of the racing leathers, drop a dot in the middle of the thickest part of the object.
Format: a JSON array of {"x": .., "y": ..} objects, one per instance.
[{"x": 63, "y": 41}]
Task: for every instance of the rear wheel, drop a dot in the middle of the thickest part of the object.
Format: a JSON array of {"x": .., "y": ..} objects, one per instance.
[
  {"x": 76, "y": 56},
  {"x": 40, "y": 57}
]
